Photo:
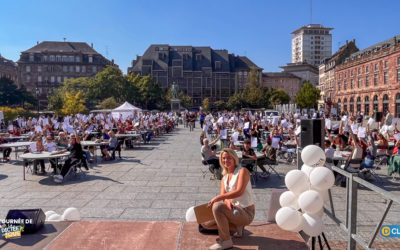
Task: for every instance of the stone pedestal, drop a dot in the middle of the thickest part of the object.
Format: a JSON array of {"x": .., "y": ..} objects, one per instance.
[{"x": 175, "y": 104}]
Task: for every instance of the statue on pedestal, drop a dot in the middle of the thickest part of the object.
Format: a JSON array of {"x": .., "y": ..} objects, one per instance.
[{"x": 175, "y": 89}]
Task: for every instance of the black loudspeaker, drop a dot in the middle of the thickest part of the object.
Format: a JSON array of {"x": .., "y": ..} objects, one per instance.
[
  {"x": 378, "y": 116},
  {"x": 312, "y": 132},
  {"x": 32, "y": 219}
]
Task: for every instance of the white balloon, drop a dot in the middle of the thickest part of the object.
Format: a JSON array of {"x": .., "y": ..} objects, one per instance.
[
  {"x": 307, "y": 170},
  {"x": 312, "y": 224},
  {"x": 323, "y": 193},
  {"x": 54, "y": 217},
  {"x": 310, "y": 201},
  {"x": 296, "y": 181},
  {"x": 288, "y": 199},
  {"x": 313, "y": 156},
  {"x": 300, "y": 226},
  {"x": 190, "y": 215},
  {"x": 48, "y": 213},
  {"x": 322, "y": 178},
  {"x": 288, "y": 218},
  {"x": 71, "y": 213}
]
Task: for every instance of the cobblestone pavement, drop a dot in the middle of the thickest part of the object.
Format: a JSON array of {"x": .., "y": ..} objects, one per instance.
[{"x": 160, "y": 180}]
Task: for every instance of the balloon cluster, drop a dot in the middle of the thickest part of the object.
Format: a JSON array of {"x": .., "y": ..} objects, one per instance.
[
  {"x": 302, "y": 206},
  {"x": 70, "y": 214}
]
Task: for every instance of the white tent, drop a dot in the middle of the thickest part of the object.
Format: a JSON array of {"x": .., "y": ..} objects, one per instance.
[{"x": 125, "y": 110}]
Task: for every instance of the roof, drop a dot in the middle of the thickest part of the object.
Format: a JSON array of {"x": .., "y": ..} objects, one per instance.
[
  {"x": 244, "y": 62},
  {"x": 312, "y": 27},
  {"x": 279, "y": 74},
  {"x": 51, "y": 46},
  {"x": 7, "y": 62}
]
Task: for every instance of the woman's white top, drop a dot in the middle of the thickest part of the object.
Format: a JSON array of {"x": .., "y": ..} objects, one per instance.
[{"x": 247, "y": 198}]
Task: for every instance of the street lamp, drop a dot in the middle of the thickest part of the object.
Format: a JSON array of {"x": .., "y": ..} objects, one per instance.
[{"x": 37, "y": 98}]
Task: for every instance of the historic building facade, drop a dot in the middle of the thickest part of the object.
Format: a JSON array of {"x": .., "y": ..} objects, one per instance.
[
  {"x": 200, "y": 72},
  {"x": 290, "y": 83},
  {"x": 305, "y": 71},
  {"x": 46, "y": 65},
  {"x": 369, "y": 80},
  {"x": 8, "y": 69}
]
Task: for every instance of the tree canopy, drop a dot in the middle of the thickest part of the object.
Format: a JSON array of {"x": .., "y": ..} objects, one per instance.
[
  {"x": 11, "y": 95},
  {"x": 307, "y": 96}
]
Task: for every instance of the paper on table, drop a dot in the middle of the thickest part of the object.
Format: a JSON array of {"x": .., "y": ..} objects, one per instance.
[
  {"x": 275, "y": 142},
  {"x": 328, "y": 124},
  {"x": 32, "y": 147},
  {"x": 253, "y": 142},
  {"x": 247, "y": 125},
  {"x": 397, "y": 136},
  {"x": 223, "y": 133},
  {"x": 361, "y": 132}
]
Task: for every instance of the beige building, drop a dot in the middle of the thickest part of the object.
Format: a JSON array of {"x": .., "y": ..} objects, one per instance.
[
  {"x": 311, "y": 44},
  {"x": 305, "y": 71},
  {"x": 290, "y": 83},
  {"x": 45, "y": 66}
]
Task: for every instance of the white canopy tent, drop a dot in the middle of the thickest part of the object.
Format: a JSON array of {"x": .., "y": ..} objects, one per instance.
[{"x": 125, "y": 110}]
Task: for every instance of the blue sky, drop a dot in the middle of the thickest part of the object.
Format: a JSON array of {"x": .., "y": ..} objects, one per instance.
[{"x": 258, "y": 29}]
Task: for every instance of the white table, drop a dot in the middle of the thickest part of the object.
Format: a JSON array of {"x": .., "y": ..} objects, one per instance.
[
  {"x": 41, "y": 156},
  {"x": 16, "y": 145}
]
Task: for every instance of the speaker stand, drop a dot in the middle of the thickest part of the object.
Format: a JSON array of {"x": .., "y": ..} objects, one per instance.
[{"x": 314, "y": 239}]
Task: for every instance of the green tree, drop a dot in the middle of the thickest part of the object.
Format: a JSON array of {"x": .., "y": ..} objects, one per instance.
[
  {"x": 307, "y": 96},
  {"x": 74, "y": 103},
  {"x": 186, "y": 101},
  {"x": 206, "y": 104},
  {"x": 11, "y": 95},
  {"x": 219, "y": 105},
  {"x": 151, "y": 94},
  {"x": 279, "y": 96},
  {"x": 253, "y": 78},
  {"x": 108, "y": 83},
  {"x": 109, "y": 103},
  {"x": 236, "y": 102}
]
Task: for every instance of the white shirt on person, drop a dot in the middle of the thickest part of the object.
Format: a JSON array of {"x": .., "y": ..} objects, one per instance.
[{"x": 247, "y": 198}]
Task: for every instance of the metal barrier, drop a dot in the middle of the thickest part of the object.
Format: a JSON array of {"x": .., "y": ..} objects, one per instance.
[{"x": 350, "y": 225}]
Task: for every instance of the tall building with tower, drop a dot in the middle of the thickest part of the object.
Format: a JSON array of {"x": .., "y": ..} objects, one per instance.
[{"x": 311, "y": 44}]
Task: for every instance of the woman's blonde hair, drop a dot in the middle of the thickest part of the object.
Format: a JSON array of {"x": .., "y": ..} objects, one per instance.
[{"x": 232, "y": 153}]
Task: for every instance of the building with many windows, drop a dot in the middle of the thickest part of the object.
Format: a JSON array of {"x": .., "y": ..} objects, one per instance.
[
  {"x": 46, "y": 65},
  {"x": 200, "y": 72},
  {"x": 290, "y": 83},
  {"x": 311, "y": 44},
  {"x": 8, "y": 69},
  {"x": 370, "y": 79}
]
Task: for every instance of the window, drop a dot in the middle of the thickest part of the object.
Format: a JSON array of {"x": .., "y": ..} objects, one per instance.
[
  {"x": 352, "y": 105},
  {"x": 398, "y": 60},
  {"x": 28, "y": 68},
  {"x": 58, "y": 58},
  {"x": 375, "y": 79},
  {"x": 359, "y": 82},
  {"x": 71, "y": 69},
  {"x": 366, "y": 105},
  {"x": 39, "y": 68},
  {"x": 52, "y": 79},
  {"x": 71, "y": 58},
  {"x": 385, "y": 103},
  {"x": 28, "y": 78},
  {"x": 358, "y": 104},
  {"x": 345, "y": 105},
  {"x": 366, "y": 81},
  {"x": 345, "y": 74},
  {"x": 44, "y": 58},
  {"x": 90, "y": 59},
  {"x": 351, "y": 83},
  {"x": 94, "y": 69},
  {"x": 375, "y": 103},
  {"x": 59, "y": 79},
  {"x": 345, "y": 85},
  {"x": 398, "y": 75},
  {"x": 339, "y": 106},
  {"x": 386, "y": 64},
  {"x": 39, "y": 78},
  {"x": 83, "y": 69},
  {"x": 340, "y": 76},
  {"x": 359, "y": 71},
  {"x": 64, "y": 58},
  {"x": 397, "y": 107},
  {"x": 385, "y": 77},
  {"x": 338, "y": 86},
  {"x": 52, "y": 58},
  {"x": 65, "y": 68},
  {"x": 366, "y": 69},
  {"x": 77, "y": 59},
  {"x": 31, "y": 58},
  {"x": 376, "y": 67},
  {"x": 351, "y": 72},
  {"x": 218, "y": 65},
  {"x": 78, "y": 69},
  {"x": 198, "y": 57}
]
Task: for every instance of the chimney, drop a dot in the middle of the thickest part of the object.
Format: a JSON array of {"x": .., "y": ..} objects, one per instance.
[
  {"x": 91, "y": 45},
  {"x": 395, "y": 40}
]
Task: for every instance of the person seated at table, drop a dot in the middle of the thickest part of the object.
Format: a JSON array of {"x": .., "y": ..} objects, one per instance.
[
  {"x": 268, "y": 158},
  {"x": 208, "y": 154},
  {"x": 62, "y": 141},
  {"x": 76, "y": 155},
  {"x": 396, "y": 150},
  {"x": 247, "y": 153},
  {"x": 37, "y": 147},
  {"x": 113, "y": 144},
  {"x": 329, "y": 150},
  {"x": 357, "y": 152},
  {"x": 51, "y": 146},
  {"x": 382, "y": 144},
  {"x": 234, "y": 207},
  {"x": 15, "y": 131},
  {"x": 370, "y": 154},
  {"x": 6, "y": 150}
]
